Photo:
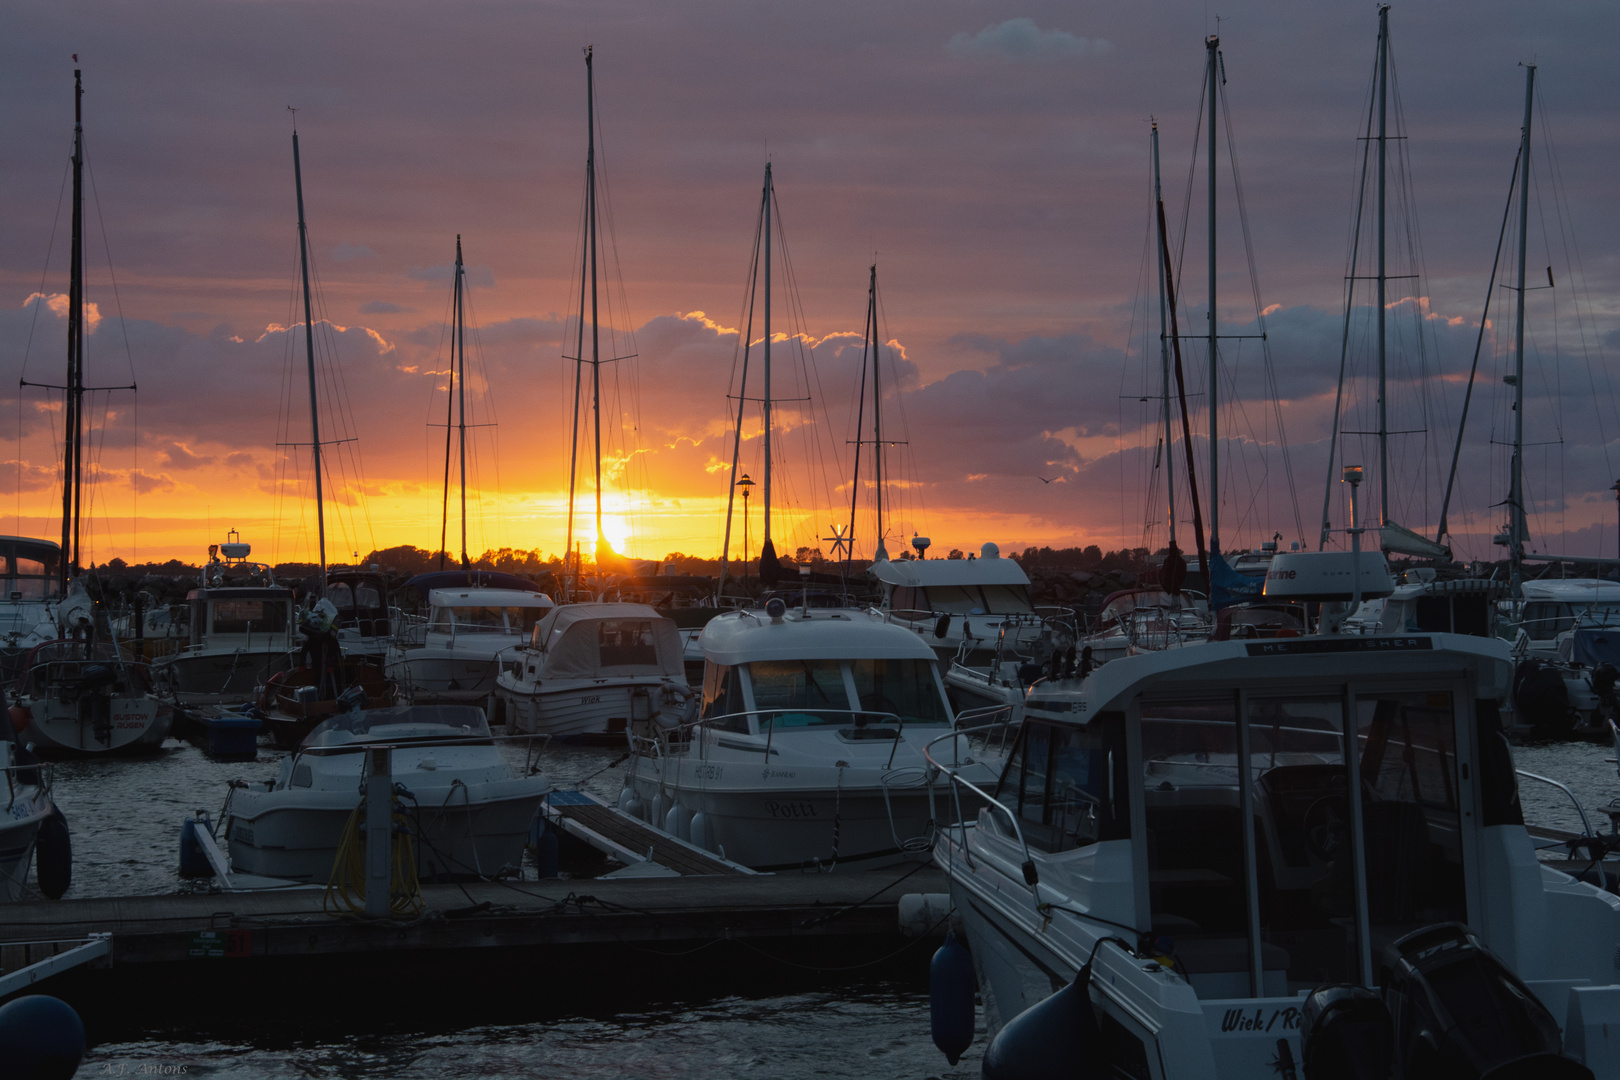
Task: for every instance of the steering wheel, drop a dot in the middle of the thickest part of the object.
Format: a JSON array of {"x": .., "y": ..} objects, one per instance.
[{"x": 1326, "y": 823}]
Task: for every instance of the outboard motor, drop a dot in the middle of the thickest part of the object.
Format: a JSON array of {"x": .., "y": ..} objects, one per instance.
[
  {"x": 1346, "y": 1034},
  {"x": 1458, "y": 1013}
]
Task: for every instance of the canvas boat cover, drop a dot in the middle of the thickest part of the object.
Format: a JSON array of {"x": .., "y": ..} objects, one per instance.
[{"x": 590, "y": 641}]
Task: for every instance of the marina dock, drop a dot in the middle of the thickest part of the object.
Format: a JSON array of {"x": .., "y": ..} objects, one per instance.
[{"x": 214, "y": 953}]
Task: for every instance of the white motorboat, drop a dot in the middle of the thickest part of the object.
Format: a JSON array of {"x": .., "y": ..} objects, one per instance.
[
  {"x": 454, "y": 654},
  {"x": 807, "y": 749},
  {"x": 468, "y": 815},
  {"x": 591, "y": 669},
  {"x": 982, "y": 602},
  {"x": 29, "y": 812},
  {"x": 87, "y": 697},
  {"x": 1137, "y": 620},
  {"x": 1221, "y": 833},
  {"x": 239, "y": 636}
]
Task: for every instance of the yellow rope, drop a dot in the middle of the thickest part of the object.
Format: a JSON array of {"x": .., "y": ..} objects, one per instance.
[{"x": 346, "y": 886}]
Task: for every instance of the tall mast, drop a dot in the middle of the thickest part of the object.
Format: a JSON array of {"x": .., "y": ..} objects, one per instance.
[
  {"x": 449, "y": 414},
  {"x": 596, "y": 335},
  {"x": 1213, "y": 44},
  {"x": 74, "y": 387},
  {"x": 1517, "y": 526},
  {"x": 1164, "y": 361},
  {"x": 877, "y": 407},
  {"x": 767, "y": 546},
  {"x": 309, "y": 348},
  {"x": 459, "y": 383},
  {"x": 1383, "y": 180}
]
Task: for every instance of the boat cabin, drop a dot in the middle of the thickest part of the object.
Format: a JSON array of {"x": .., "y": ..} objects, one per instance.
[
  {"x": 361, "y": 599},
  {"x": 818, "y": 668},
  {"x": 1551, "y": 607},
  {"x": 604, "y": 641},
  {"x": 30, "y": 569},
  {"x": 240, "y": 615},
  {"x": 1281, "y": 811},
  {"x": 462, "y": 612}
]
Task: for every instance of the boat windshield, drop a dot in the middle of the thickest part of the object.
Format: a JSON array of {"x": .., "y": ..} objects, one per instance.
[
  {"x": 249, "y": 616},
  {"x": 487, "y": 619},
  {"x": 400, "y": 722},
  {"x": 30, "y": 570},
  {"x": 907, "y": 688}
]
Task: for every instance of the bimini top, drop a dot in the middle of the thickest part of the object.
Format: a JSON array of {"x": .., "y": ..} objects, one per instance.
[
  {"x": 921, "y": 573},
  {"x": 738, "y": 637},
  {"x": 1233, "y": 664},
  {"x": 590, "y": 641}
]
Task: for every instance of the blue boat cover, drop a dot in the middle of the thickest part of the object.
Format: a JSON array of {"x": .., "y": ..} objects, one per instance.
[
  {"x": 1594, "y": 645},
  {"x": 1228, "y": 587}
]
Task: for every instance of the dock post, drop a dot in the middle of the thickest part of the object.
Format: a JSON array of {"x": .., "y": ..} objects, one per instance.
[{"x": 379, "y": 832}]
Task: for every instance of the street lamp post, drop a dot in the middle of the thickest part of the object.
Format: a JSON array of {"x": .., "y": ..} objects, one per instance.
[{"x": 746, "y": 484}]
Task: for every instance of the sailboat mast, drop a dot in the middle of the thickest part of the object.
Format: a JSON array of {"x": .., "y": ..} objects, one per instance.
[
  {"x": 309, "y": 349},
  {"x": 1383, "y": 181},
  {"x": 1516, "y": 516},
  {"x": 74, "y": 385},
  {"x": 877, "y": 409},
  {"x": 1213, "y": 44},
  {"x": 596, "y": 334},
  {"x": 1164, "y": 362},
  {"x": 449, "y": 415},
  {"x": 458, "y": 387},
  {"x": 766, "y": 490}
]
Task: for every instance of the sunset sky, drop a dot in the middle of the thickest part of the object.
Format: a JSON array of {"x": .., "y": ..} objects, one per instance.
[{"x": 991, "y": 157}]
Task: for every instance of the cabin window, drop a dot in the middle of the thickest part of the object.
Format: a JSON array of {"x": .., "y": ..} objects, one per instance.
[
  {"x": 907, "y": 688},
  {"x": 956, "y": 599},
  {"x": 1006, "y": 599},
  {"x": 1067, "y": 783},
  {"x": 626, "y": 643},
  {"x": 1544, "y": 620},
  {"x": 907, "y": 599},
  {"x": 367, "y": 597},
  {"x": 341, "y": 595},
  {"x": 1410, "y": 811},
  {"x": 722, "y": 698},
  {"x": 33, "y": 577},
  {"x": 249, "y": 616},
  {"x": 815, "y": 686}
]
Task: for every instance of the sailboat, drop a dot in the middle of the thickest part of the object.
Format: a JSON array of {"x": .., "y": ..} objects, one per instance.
[{"x": 81, "y": 692}]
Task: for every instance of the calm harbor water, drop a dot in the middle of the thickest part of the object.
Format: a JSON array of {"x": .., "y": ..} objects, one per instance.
[{"x": 126, "y": 814}]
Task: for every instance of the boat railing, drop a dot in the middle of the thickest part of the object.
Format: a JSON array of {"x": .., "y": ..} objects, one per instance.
[
  {"x": 765, "y": 719},
  {"x": 1592, "y": 838},
  {"x": 996, "y": 718},
  {"x": 535, "y": 745},
  {"x": 952, "y": 773},
  {"x": 42, "y": 778}
]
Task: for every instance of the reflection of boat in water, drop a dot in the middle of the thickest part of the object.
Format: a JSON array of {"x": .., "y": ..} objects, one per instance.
[
  {"x": 89, "y": 697},
  {"x": 468, "y": 815},
  {"x": 808, "y": 746},
  {"x": 592, "y": 669}
]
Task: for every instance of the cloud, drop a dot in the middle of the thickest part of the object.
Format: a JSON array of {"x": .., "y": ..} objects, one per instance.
[
  {"x": 349, "y": 251},
  {"x": 57, "y": 304},
  {"x": 178, "y": 455},
  {"x": 383, "y": 307},
  {"x": 1022, "y": 39},
  {"x": 478, "y": 276}
]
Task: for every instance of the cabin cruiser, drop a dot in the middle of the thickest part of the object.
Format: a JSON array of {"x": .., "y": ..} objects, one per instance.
[
  {"x": 1199, "y": 850},
  {"x": 84, "y": 696},
  {"x": 30, "y": 595},
  {"x": 1553, "y": 630},
  {"x": 468, "y": 815},
  {"x": 454, "y": 653},
  {"x": 982, "y": 601},
  {"x": 806, "y": 746},
  {"x": 241, "y": 632},
  {"x": 591, "y": 669}
]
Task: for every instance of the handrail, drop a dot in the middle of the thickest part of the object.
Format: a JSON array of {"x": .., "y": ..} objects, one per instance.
[
  {"x": 1586, "y": 825},
  {"x": 1031, "y": 878},
  {"x": 987, "y": 714}
]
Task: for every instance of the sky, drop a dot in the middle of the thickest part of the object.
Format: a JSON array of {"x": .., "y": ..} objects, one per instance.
[{"x": 991, "y": 158}]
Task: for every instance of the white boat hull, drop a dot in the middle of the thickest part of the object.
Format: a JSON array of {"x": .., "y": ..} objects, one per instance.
[
  {"x": 295, "y": 834},
  {"x": 19, "y": 828},
  {"x": 577, "y": 709},
  {"x": 97, "y": 725},
  {"x": 429, "y": 676}
]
